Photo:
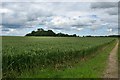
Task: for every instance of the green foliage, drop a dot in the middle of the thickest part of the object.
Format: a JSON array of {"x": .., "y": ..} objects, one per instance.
[
  {"x": 26, "y": 53},
  {"x": 42, "y": 32}
]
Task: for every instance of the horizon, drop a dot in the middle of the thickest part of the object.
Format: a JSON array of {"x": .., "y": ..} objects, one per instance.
[{"x": 80, "y": 18}]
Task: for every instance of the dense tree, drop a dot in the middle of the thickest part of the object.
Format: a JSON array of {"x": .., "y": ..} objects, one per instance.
[
  {"x": 40, "y": 29},
  {"x": 42, "y": 32},
  {"x": 50, "y": 33}
]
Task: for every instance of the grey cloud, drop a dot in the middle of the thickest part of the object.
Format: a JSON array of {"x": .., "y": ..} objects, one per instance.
[
  {"x": 112, "y": 11},
  {"x": 81, "y": 25},
  {"x": 57, "y": 28},
  {"x": 28, "y": 15},
  {"x": 104, "y": 5},
  {"x": 110, "y": 18},
  {"x": 5, "y": 29},
  {"x": 12, "y": 26},
  {"x": 13, "y": 21},
  {"x": 22, "y": 13}
]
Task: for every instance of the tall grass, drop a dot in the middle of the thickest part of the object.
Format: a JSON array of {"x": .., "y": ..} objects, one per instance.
[{"x": 26, "y": 53}]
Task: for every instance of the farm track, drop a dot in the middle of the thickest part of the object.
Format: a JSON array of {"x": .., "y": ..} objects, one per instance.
[{"x": 112, "y": 67}]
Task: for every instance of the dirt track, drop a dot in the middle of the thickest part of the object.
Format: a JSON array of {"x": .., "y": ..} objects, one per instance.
[{"x": 112, "y": 67}]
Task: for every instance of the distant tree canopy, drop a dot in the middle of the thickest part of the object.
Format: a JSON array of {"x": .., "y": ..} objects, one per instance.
[
  {"x": 103, "y": 36},
  {"x": 42, "y": 32}
]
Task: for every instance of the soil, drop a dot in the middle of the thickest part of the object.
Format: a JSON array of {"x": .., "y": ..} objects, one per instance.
[{"x": 112, "y": 67}]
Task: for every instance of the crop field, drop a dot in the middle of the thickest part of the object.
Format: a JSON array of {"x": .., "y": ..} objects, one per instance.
[{"x": 22, "y": 55}]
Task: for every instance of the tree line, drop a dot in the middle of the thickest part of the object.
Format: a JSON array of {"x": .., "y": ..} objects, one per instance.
[
  {"x": 103, "y": 36},
  {"x": 42, "y": 32}
]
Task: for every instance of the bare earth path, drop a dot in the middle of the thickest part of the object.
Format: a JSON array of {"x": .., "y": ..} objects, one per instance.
[{"x": 112, "y": 67}]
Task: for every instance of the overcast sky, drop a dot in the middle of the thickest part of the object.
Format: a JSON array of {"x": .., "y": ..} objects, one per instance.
[{"x": 81, "y": 18}]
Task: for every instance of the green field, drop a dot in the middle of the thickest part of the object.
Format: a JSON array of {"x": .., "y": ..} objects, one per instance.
[{"x": 55, "y": 56}]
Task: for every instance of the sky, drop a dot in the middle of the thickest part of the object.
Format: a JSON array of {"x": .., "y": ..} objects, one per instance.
[{"x": 81, "y": 18}]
